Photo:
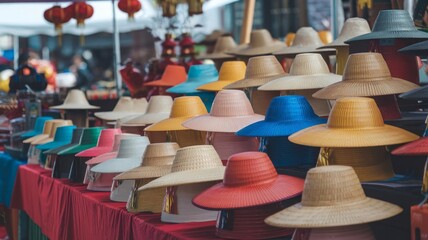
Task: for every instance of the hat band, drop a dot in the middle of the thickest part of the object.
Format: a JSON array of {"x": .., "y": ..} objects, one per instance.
[{"x": 170, "y": 200}]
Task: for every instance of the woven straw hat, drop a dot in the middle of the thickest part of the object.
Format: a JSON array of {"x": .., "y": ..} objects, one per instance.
[
  {"x": 51, "y": 133},
  {"x": 47, "y": 130},
  {"x": 306, "y": 40},
  {"x": 75, "y": 99},
  {"x": 125, "y": 107},
  {"x": 365, "y": 74},
  {"x": 63, "y": 136},
  {"x": 249, "y": 180},
  {"x": 353, "y": 122},
  {"x": 194, "y": 164},
  {"x": 308, "y": 71},
  {"x": 353, "y": 232},
  {"x": 261, "y": 43},
  {"x": 230, "y": 72},
  {"x": 172, "y": 76},
  {"x": 419, "y": 49},
  {"x": 333, "y": 196},
  {"x": 104, "y": 145},
  {"x": 260, "y": 70},
  {"x": 198, "y": 75},
  {"x": 159, "y": 108},
  {"x": 227, "y": 144},
  {"x": 351, "y": 28},
  {"x": 38, "y": 127},
  {"x": 156, "y": 162},
  {"x": 183, "y": 109},
  {"x": 231, "y": 111},
  {"x": 145, "y": 201},
  {"x": 222, "y": 45},
  {"x": 415, "y": 148}
]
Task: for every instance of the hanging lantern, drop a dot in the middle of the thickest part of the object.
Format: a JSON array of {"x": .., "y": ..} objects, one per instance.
[
  {"x": 130, "y": 7},
  {"x": 58, "y": 16},
  {"x": 195, "y": 7},
  {"x": 168, "y": 46},
  {"x": 169, "y": 7},
  {"x": 186, "y": 45},
  {"x": 80, "y": 11}
]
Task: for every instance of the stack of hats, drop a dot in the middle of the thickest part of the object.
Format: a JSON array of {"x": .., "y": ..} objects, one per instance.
[
  {"x": 52, "y": 154},
  {"x": 125, "y": 107}
]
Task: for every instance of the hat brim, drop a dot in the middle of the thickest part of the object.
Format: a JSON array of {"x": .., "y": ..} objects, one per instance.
[
  {"x": 322, "y": 136},
  {"x": 418, "y": 49},
  {"x": 74, "y": 107},
  {"x": 146, "y": 119},
  {"x": 93, "y": 152},
  {"x": 253, "y": 82},
  {"x": 416, "y": 148},
  {"x": 29, "y": 134},
  {"x": 215, "y": 86},
  {"x": 117, "y": 165},
  {"x": 36, "y": 138},
  {"x": 221, "y": 124},
  {"x": 42, "y": 141},
  {"x": 101, "y": 158},
  {"x": 188, "y": 87},
  {"x": 221, "y": 197},
  {"x": 301, "y": 82},
  {"x": 420, "y": 93},
  {"x": 294, "y": 50},
  {"x": 142, "y": 172},
  {"x": 248, "y": 51},
  {"x": 364, "y": 211},
  {"x": 215, "y": 56},
  {"x": 413, "y": 34},
  {"x": 76, "y": 149},
  {"x": 60, "y": 149},
  {"x": 162, "y": 83},
  {"x": 112, "y": 116},
  {"x": 52, "y": 145},
  {"x": 170, "y": 124}
]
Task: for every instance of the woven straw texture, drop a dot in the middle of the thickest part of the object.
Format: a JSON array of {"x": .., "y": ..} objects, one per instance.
[
  {"x": 75, "y": 99},
  {"x": 230, "y": 72},
  {"x": 352, "y": 27},
  {"x": 145, "y": 201},
  {"x": 353, "y": 232},
  {"x": 159, "y": 108},
  {"x": 222, "y": 45},
  {"x": 261, "y": 43},
  {"x": 172, "y": 76}
]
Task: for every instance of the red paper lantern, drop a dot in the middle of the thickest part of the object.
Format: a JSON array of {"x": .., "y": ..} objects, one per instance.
[
  {"x": 80, "y": 11},
  {"x": 130, "y": 7},
  {"x": 58, "y": 16}
]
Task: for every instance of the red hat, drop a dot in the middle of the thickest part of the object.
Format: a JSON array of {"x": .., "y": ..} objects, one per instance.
[
  {"x": 415, "y": 148},
  {"x": 104, "y": 145},
  {"x": 250, "y": 179},
  {"x": 172, "y": 76}
]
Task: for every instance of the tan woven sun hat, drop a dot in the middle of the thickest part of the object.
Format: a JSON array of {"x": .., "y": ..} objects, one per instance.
[
  {"x": 158, "y": 109},
  {"x": 75, "y": 100},
  {"x": 261, "y": 43},
  {"x": 222, "y": 45},
  {"x": 260, "y": 70},
  {"x": 125, "y": 107},
  {"x": 194, "y": 164},
  {"x": 156, "y": 162},
  {"x": 353, "y": 122},
  {"x": 308, "y": 71},
  {"x": 52, "y": 131},
  {"x": 333, "y": 196},
  {"x": 351, "y": 28},
  {"x": 47, "y": 129},
  {"x": 230, "y": 72},
  {"x": 365, "y": 74}
]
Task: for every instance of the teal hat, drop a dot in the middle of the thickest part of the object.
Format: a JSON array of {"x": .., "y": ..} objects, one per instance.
[
  {"x": 63, "y": 136},
  {"x": 89, "y": 139},
  {"x": 75, "y": 140},
  {"x": 198, "y": 75},
  {"x": 38, "y": 127}
]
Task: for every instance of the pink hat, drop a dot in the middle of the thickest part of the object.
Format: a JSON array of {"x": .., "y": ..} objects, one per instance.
[
  {"x": 227, "y": 144},
  {"x": 104, "y": 145}
]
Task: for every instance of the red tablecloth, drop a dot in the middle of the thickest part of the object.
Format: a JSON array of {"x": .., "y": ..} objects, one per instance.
[{"x": 65, "y": 210}]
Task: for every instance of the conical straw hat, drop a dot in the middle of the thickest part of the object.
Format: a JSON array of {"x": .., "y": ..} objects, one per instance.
[
  {"x": 418, "y": 49},
  {"x": 352, "y": 232},
  {"x": 75, "y": 99},
  {"x": 353, "y": 122},
  {"x": 183, "y": 109},
  {"x": 260, "y": 70},
  {"x": 38, "y": 127},
  {"x": 104, "y": 145},
  {"x": 194, "y": 164},
  {"x": 125, "y": 107},
  {"x": 231, "y": 111},
  {"x": 198, "y": 76},
  {"x": 365, "y": 74},
  {"x": 308, "y": 71},
  {"x": 172, "y": 76},
  {"x": 159, "y": 108},
  {"x": 352, "y": 27},
  {"x": 230, "y": 72},
  {"x": 52, "y": 131},
  {"x": 333, "y": 196},
  {"x": 261, "y": 43},
  {"x": 222, "y": 45},
  {"x": 47, "y": 128}
]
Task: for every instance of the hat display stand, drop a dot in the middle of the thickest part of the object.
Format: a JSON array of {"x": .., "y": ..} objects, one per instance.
[
  {"x": 353, "y": 232},
  {"x": 121, "y": 189},
  {"x": 145, "y": 201}
]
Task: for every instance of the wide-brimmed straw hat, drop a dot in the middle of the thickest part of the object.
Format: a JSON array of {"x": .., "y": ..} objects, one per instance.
[
  {"x": 156, "y": 162},
  {"x": 261, "y": 43},
  {"x": 352, "y": 27},
  {"x": 352, "y": 232},
  {"x": 222, "y": 45},
  {"x": 198, "y": 75},
  {"x": 104, "y": 145},
  {"x": 306, "y": 40},
  {"x": 51, "y": 133},
  {"x": 230, "y": 72},
  {"x": 38, "y": 127},
  {"x": 392, "y": 24},
  {"x": 183, "y": 109},
  {"x": 260, "y": 70},
  {"x": 47, "y": 130},
  {"x": 415, "y": 148},
  {"x": 194, "y": 164},
  {"x": 308, "y": 71},
  {"x": 419, "y": 49},
  {"x": 333, "y": 196},
  {"x": 125, "y": 107},
  {"x": 365, "y": 75},
  {"x": 75, "y": 100},
  {"x": 159, "y": 108},
  {"x": 172, "y": 76},
  {"x": 88, "y": 140},
  {"x": 63, "y": 136},
  {"x": 231, "y": 111},
  {"x": 353, "y": 122}
]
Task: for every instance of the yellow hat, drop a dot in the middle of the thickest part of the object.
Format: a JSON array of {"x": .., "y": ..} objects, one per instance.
[{"x": 230, "y": 72}]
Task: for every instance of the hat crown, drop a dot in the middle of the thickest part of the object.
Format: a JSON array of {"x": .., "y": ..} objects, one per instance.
[
  {"x": 354, "y": 27},
  {"x": 139, "y": 104},
  {"x": 159, "y": 154},
  {"x": 132, "y": 147},
  {"x": 306, "y": 36},
  {"x": 309, "y": 64},
  {"x": 64, "y": 133},
  {"x": 263, "y": 66},
  {"x": 40, "y": 123},
  {"x": 260, "y": 38},
  {"x": 124, "y": 104},
  {"x": 249, "y": 168},
  {"x": 196, "y": 158},
  {"x": 358, "y": 156},
  {"x": 77, "y": 135},
  {"x": 289, "y": 108},
  {"x": 199, "y": 73},
  {"x": 174, "y": 72},
  {"x": 106, "y": 138},
  {"x": 231, "y": 103},
  {"x": 90, "y": 136},
  {"x": 393, "y": 20},
  {"x": 223, "y": 44},
  {"x": 232, "y": 71},
  {"x": 187, "y": 107},
  {"x": 48, "y": 126},
  {"x": 119, "y": 137},
  {"x": 366, "y": 67},
  {"x": 160, "y": 104},
  {"x": 355, "y": 113},
  {"x": 76, "y": 97},
  {"x": 331, "y": 186}
]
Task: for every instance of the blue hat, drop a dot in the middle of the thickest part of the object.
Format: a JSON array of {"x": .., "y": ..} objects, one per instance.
[
  {"x": 198, "y": 75},
  {"x": 75, "y": 140},
  {"x": 206, "y": 97},
  {"x": 63, "y": 136},
  {"x": 285, "y": 116},
  {"x": 38, "y": 127}
]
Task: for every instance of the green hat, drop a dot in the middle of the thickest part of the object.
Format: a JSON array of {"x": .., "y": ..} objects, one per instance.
[
  {"x": 75, "y": 140},
  {"x": 89, "y": 139}
]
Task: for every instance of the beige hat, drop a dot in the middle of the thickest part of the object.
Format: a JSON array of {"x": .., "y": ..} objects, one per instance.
[
  {"x": 125, "y": 107},
  {"x": 194, "y": 164},
  {"x": 145, "y": 201},
  {"x": 52, "y": 131},
  {"x": 75, "y": 99},
  {"x": 47, "y": 129},
  {"x": 261, "y": 43},
  {"x": 222, "y": 45},
  {"x": 158, "y": 109},
  {"x": 351, "y": 28},
  {"x": 365, "y": 74},
  {"x": 333, "y": 196},
  {"x": 260, "y": 70}
]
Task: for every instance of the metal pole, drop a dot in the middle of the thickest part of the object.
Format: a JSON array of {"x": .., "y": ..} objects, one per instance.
[
  {"x": 15, "y": 51},
  {"x": 333, "y": 12},
  {"x": 247, "y": 21},
  {"x": 116, "y": 52}
]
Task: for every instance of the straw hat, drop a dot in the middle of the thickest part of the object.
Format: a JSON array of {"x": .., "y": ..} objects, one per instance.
[
  {"x": 249, "y": 180},
  {"x": 172, "y": 76},
  {"x": 231, "y": 111},
  {"x": 47, "y": 130},
  {"x": 230, "y": 72},
  {"x": 351, "y": 28},
  {"x": 261, "y": 43},
  {"x": 419, "y": 49},
  {"x": 260, "y": 70},
  {"x": 51, "y": 133},
  {"x": 392, "y": 24},
  {"x": 198, "y": 75},
  {"x": 183, "y": 109},
  {"x": 194, "y": 164},
  {"x": 353, "y": 232},
  {"x": 75, "y": 100},
  {"x": 104, "y": 145},
  {"x": 88, "y": 140},
  {"x": 159, "y": 108},
  {"x": 353, "y": 122},
  {"x": 63, "y": 136},
  {"x": 306, "y": 40},
  {"x": 365, "y": 74},
  {"x": 185, "y": 138},
  {"x": 420, "y": 93},
  {"x": 125, "y": 107},
  {"x": 415, "y": 148},
  {"x": 222, "y": 45},
  {"x": 333, "y": 196},
  {"x": 145, "y": 201},
  {"x": 308, "y": 71},
  {"x": 227, "y": 144},
  {"x": 38, "y": 127},
  {"x": 156, "y": 162}
]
